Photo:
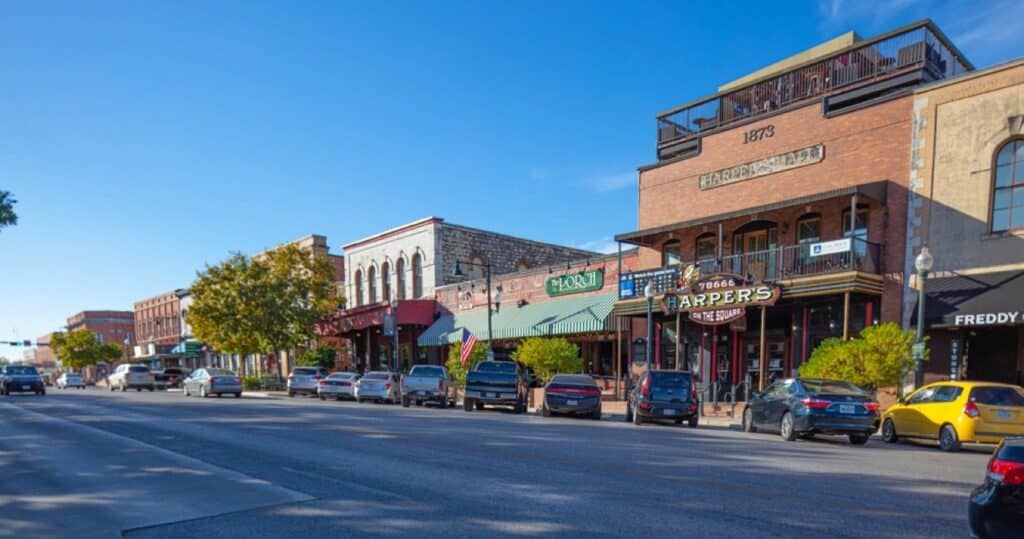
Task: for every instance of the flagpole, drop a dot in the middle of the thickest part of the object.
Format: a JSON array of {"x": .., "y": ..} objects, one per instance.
[{"x": 490, "y": 336}]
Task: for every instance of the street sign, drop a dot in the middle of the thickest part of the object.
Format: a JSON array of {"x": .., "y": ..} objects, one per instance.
[
  {"x": 389, "y": 325},
  {"x": 917, "y": 350}
]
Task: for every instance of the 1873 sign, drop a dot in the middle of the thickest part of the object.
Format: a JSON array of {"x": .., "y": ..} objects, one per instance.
[
  {"x": 762, "y": 167},
  {"x": 574, "y": 283}
]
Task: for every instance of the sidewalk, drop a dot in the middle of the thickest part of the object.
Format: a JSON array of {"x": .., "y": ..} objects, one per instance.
[{"x": 617, "y": 411}]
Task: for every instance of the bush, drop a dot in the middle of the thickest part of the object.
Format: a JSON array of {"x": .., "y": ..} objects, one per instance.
[
  {"x": 548, "y": 356},
  {"x": 880, "y": 357},
  {"x": 321, "y": 356},
  {"x": 251, "y": 383},
  {"x": 456, "y": 368}
]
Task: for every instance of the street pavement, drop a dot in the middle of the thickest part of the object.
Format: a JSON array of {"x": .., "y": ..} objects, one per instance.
[{"x": 151, "y": 465}]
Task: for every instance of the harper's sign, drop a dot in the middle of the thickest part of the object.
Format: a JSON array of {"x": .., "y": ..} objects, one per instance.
[
  {"x": 574, "y": 283},
  {"x": 762, "y": 167},
  {"x": 1006, "y": 318},
  {"x": 721, "y": 298}
]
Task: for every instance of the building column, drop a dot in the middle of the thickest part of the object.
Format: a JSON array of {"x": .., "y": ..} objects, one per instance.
[
  {"x": 846, "y": 315},
  {"x": 764, "y": 349}
]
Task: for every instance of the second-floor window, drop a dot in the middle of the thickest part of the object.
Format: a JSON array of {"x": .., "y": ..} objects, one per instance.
[
  {"x": 808, "y": 229},
  {"x": 400, "y": 278},
  {"x": 670, "y": 253},
  {"x": 706, "y": 247},
  {"x": 1008, "y": 188},
  {"x": 385, "y": 281},
  {"x": 371, "y": 282},
  {"x": 417, "y": 276}
]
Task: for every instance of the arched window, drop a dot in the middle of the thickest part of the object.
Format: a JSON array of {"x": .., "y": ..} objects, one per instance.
[
  {"x": 670, "y": 253},
  {"x": 400, "y": 278},
  {"x": 478, "y": 266},
  {"x": 371, "y": 281},
  {"x": 1008, "y": 188},
  {"x": 359, "y": 287},
  {"x": 385, "y": 282},
  {"x": 808, "y": 228},
  {"x": 417, "y": 276}
]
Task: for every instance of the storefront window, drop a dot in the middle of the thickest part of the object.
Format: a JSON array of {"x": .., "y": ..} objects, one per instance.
[
  {"x": 1008, "y": 190},
  {"x": 670, "y": 254}
]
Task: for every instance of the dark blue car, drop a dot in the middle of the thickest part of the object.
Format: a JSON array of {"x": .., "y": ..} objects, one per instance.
[
  {"x": 803, "y": 407},
  {"x": 996, "y": 509}
]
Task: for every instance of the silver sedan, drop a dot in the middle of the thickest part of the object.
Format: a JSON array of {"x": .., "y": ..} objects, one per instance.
[
  {"x": 206, "y": 382},
  {"x": 378, "y": 386},
  {"x": 339, "y": 385}
]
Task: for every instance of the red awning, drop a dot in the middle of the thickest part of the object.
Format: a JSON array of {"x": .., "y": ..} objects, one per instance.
[{"x": 410, "y": 312}]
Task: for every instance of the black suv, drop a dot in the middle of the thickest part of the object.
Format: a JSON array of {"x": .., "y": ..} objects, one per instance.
[
  {"x": 663, "y": 396},
  {"x": 21, "y": 379}
]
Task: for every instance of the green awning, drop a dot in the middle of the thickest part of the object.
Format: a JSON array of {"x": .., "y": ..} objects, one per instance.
[{"x": 586, "y": 314}]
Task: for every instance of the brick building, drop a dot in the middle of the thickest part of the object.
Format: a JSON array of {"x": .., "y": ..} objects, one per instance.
[
  {"x": 42, "y": 355},
  {"x": 158, "y": 328},
  {"x": 572, "y": 300},
  {"x": 775, "y": 215},
  {"x": 108, "y": 326},
  {"x": 406, "y": 265},
  {"x": 967, "y": 206}
]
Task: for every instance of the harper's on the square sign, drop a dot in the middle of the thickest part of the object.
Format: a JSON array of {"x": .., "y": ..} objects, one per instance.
[
  {"x": 720, "y": 298},
  {"x": 762, "y": 167}
]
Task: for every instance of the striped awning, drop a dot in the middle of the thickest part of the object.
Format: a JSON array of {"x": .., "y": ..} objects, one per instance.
[{"x": 565, "y": 316}]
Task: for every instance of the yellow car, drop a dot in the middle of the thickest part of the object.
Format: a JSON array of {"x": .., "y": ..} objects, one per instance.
[{"x": 957, "y": 412}]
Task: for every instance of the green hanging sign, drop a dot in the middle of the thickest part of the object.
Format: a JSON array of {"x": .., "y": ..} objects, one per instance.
[{"x": 575, "y": 283}]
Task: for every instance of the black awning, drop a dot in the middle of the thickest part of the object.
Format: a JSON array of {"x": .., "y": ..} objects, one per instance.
[{"x": 985, "y": 299}]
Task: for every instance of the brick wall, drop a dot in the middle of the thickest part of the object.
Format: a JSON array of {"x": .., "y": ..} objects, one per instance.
[
  {"x": 158, "y": 318},
  {"x": 112, "y": 326}
]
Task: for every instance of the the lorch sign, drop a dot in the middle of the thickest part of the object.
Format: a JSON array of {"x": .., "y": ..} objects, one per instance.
[{"x": 989, "y": 319}]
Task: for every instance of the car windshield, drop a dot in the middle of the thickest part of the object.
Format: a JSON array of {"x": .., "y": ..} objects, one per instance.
[
  {"x": 304, "y": 372},
  {"x": 427, "y": 371},
  {"x": 832, "y": 387},
  {"x": 172, "y": 371},
  {"x": 342, "y": 376},
  {"x": 21, "y": 369},
  {"x": 573, "y": 380},
  {"x": 505, "y": 367},
  {"x": 219, "y": 372},
  {"x": 670, "y": 379},
  {"x": 997, "y": 396},
  {"x": 376, "y": 376},
  {"x": 138, "y": 368}
]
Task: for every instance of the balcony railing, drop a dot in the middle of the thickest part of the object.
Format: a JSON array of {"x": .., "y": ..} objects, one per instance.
[
  {"x": 913, "y": 49},
  {"x": 784, "y": 262}
]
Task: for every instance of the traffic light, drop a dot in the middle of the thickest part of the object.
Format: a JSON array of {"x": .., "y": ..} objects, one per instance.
[{"x": 26, "y": 343}]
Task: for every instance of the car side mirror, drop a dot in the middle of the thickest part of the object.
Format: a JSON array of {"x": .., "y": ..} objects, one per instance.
[{"x": 901, "y": 400}]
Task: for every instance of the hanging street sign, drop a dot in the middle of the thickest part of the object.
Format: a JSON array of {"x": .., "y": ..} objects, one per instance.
[{"x": 575, "y": 283}]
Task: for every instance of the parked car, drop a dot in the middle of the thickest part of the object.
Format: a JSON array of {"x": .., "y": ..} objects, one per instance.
[
  {"x": 428, "y": 383},
  {"x": 663, "y": 396},
  {"x": 957, "y": 412},
  {"x": 206, "y": 382},
  {"x": 572, "y": 394},
  {"x": 803, "y": 407},
  {"x": 169, "y": 377},
  {"x": 305, "y": 380},
  {"x": 70, "y": 379},
  {"x": 21, "y": 379},
  {"x": 496, "y": 383},
  {"x": 996, "y": 509},
  {"x": 378, "y": 386},
  {"x": 338, "y": 385},
  {"x": 131, "y": 376}
]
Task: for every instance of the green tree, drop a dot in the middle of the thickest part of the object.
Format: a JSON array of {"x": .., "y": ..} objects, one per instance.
[
  {"x": 262, "y": 305},
  {"x": 456, "y": 368},
  {"x": 7, "y": 215},
  {"x": 880, "y": 357},
  {"x": 81, "y": 348},
  {"x": 549, "y": 356},
  {"x": 321, "y": 356}
]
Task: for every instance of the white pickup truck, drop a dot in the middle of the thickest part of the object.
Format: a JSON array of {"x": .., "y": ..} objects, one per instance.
[{"x": 428, "y": 383}]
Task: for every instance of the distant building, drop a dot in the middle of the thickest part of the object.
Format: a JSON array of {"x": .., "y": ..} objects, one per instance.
[
  {"x": 42, "y": 355},
  {"x": 158, "y": 328},
  {"x": 108, "y": 326}
]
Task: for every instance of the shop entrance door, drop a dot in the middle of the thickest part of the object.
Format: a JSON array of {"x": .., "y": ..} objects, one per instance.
[{"x": 776, "y": 359}]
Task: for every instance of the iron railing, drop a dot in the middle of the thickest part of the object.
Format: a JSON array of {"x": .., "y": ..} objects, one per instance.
[
  {"x": 783, "y": 262},
  {"x": 913, "y": 49}
]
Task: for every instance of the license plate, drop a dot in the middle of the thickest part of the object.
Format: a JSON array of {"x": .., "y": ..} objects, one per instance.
[
  {"x": 847, "y": 409},
  {"x": 668, "y": 411},
  {"x": 1004, "y": 414},
  {"x": 494, "y": 395},
  {"x": 26, "y": 388},
  {"x": 572, "y": 403}
]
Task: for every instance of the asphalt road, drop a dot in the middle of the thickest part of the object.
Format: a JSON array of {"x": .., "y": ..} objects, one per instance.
[{"x": 145, "y": 465}]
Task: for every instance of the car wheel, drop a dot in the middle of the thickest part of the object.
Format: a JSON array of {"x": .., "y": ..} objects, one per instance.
[
  {"x": 322, "y": 397},
  {"x": 139, "y": 389},
  {"x": 359, "y": 400},
  {"x": 238, "y": 395},
  {"x": 786, "y": 427},
  {"x": 479, "y": 405},
  {"x": 889, "y": 432},
  {"x": 184, "y": 391},
  {"x": 692, "y": 422},
  {"x": 110, "y": 387},
  {"x": 748, "y": 421},
  {"x": 677, "y": 421},
  {"x": 419, "y": 403},
  {"x": 202, "y": 392},
  {"x": 405, "y": 402},
  {"x": 637, "y": 420},
  {"x": 467, "y": 405},
  {"x": 596, "y": 416},
  {"x": 948, "y": 439},
  {"x": 124, "y": 388},
  {"x": 858, "y": 439},
  {"x": 520, "y": 407},
  {"x": 443, "y": 403}
]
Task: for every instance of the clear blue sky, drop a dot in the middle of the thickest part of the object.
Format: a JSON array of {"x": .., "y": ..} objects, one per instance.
[{"x": 144, "y": 139}]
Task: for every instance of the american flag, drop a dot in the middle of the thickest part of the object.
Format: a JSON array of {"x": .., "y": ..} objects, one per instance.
[{"x": 468, "y": 342}]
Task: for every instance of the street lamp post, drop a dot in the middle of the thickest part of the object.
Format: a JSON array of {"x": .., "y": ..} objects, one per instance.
[
  {"x": 487, "y": 268},
  {"x": 649, "y": 294},
  {"x": 394, "y": 329},
  {"x": 923, "y": 264}
]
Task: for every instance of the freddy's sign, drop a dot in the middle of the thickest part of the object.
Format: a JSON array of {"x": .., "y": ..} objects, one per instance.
[{"x": 721, "y": 298}]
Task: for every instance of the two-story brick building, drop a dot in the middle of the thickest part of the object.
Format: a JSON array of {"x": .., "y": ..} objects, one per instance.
[{"x": 775, "y": 215}]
